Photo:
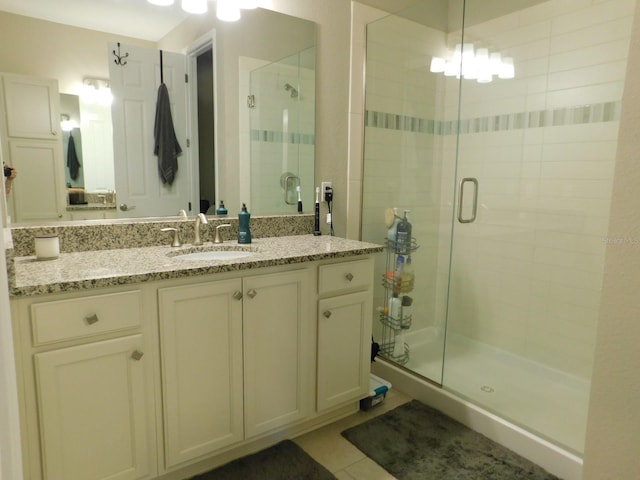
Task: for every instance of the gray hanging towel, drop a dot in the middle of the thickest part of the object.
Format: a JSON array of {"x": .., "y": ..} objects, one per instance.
[
  {"x": 72, "y": 158},
  {"x": 166, "y": 146}
]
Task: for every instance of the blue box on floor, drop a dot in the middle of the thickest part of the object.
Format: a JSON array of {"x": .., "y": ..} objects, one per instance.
[{"x": 378, "y": 391}]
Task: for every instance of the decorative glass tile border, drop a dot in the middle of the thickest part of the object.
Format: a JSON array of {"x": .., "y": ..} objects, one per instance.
[
  {"x": 593, "y": 113},
  {"x": 273, "y": 136}
]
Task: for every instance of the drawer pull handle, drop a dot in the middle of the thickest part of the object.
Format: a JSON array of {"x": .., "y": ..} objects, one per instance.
[
  {"x": 137, "y": 355},
  {"x": 349, "y": 276},
  {"x": 237, "y": 295},
  {"x": 327, "y": 313},
  {"x": 252, "y": 293},
  {"x": 91, "y": 319}
]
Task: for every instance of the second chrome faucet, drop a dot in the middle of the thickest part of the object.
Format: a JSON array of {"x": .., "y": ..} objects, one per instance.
[{"x": 200, "y": 219}]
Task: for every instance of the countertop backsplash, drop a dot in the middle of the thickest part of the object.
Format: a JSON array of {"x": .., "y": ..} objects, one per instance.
[{"x": 116, "y": 234}]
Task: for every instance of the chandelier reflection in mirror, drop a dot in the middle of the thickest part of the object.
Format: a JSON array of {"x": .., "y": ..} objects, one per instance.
[
  {"x": 472, "y": 63},
  {"x": 226, "y": 10}
]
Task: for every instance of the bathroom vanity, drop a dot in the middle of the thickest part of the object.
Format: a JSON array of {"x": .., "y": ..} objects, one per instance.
[{"x": 139, "y": 363}]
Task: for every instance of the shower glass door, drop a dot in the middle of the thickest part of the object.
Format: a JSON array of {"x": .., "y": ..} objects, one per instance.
[
  {"x": 282, "y": 122},
  {"x": 500, "y": 138}
]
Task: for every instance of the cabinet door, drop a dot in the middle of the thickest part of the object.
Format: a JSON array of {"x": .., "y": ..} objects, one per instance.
[
  {"x": 93, "y": 404},
  {"x": 201, "y": 335},
  {"x": 278, "y": 350},
  {"x": 39, "y": 194},
  {"x": 32, "y": 107},
  {"x": 344, "y": 348}
]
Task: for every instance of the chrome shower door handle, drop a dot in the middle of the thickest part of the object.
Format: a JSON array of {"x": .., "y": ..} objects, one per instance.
[{"x": 474, "y": 208}]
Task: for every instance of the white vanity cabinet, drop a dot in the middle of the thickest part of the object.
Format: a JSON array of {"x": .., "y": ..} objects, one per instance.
[
  {"x": 237, "y": 360},
  {"x": 169, "y": 378},
  {"x": 88, "y": 409},
  {"x": 344, "y": 331},
  {"x": 201, "y": 362}
]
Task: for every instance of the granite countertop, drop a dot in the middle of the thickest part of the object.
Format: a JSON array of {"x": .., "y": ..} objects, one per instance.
[
  {"x": 90, "y": 206},
  {"x": 77, "y": 271}
]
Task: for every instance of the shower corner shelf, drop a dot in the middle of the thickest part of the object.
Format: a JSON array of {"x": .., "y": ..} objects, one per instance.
[{"x": 393, "y": 345}]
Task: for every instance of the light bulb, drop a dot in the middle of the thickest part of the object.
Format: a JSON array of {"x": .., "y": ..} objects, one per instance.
[
  {"x": 195, "y": 6},
  {"x": 227, "y": 11},
  {"x": 162, "y": 3},
  {"x": 507, "y": 70},
  {"x": 495, "y": 63},
  {"x": 437, "y": 65}
]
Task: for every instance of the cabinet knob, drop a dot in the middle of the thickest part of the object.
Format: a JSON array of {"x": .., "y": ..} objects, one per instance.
[
  {"x": 327, "y": 313},
  {"x": 349, "y": 276},
  {"x": 91, "y": 319},
  {"x": 137, "y": 355},
  {"x": 252, "y": 293},
  {"x": 237, "y": 295}
]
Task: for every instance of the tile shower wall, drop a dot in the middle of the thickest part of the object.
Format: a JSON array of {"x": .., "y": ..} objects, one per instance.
[
  {"x": 402, "y": 165},
  {"x": 526, "y": 276},
  {"x": 281, "y": 135}
]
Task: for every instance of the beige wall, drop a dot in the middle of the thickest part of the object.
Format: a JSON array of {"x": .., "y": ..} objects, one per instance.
[
  {"x": 613, "y": 430},
  {"x": 57, "y": 51}
]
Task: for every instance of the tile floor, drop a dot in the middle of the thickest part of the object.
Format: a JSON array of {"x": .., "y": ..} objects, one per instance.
[{"x": 340, "y": 457}]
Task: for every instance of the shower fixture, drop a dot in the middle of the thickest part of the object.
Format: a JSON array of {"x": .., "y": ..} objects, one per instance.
[{"x": 294, "y": 92}]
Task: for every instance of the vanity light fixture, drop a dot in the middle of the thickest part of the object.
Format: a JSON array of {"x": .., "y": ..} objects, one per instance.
[
  {"x": 195, "y": 6},
  {"x": 226, "y": 10},
  {"x": 96, "y": 90},
  {"x": 474, "y": 64}
]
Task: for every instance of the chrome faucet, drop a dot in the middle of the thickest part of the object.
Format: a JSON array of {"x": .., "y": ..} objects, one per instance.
[
  {"x": 176, "y": 236},
  {"x": 218, "y": 238},
  {"x": 200, "y": 219}
]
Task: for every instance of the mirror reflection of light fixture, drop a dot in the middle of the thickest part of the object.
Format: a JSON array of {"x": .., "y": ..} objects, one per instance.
[
  {"x": 194, "y": 6},
  {"x": 96, "y": 90},
  {"x": 226, "y": 10},
  {"x": 65, "y": 123},
  {"x": 472, "y": 63}
]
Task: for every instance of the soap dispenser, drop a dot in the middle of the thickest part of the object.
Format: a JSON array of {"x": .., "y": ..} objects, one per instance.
[
  {"x": 244, "y": 231},
  {"x": 221, "y": 210}
]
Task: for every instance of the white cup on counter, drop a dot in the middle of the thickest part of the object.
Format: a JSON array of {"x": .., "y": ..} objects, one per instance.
[{"x": 47, "y": 246}]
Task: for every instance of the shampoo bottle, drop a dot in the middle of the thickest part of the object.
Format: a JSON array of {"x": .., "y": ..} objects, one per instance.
[
  {"x": 403, "y": 235},
  {"x": 244, "y": 231}
]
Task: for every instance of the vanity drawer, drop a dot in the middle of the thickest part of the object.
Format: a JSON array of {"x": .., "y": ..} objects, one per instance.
[
  {"x": 84, "y": 317},
  {"x": 345, "y": 276}
]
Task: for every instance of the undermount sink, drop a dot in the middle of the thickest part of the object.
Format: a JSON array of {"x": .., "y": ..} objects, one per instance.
[{"x": 213, "y": 253}]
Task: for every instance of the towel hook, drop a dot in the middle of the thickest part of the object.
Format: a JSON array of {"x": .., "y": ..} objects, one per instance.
[
  {"x": 161, "y": 69},
  {"x": 119, "y": 57}
]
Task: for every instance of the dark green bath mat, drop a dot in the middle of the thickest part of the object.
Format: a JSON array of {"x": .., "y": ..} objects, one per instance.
[
  {"x": 284, "y": 461},
  {"x": 416, "y": 442}
]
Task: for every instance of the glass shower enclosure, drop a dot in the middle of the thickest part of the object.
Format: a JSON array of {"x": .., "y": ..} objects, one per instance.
[
  {"x": 495, "y": 123},
  {"x": 281, "y": 136}
]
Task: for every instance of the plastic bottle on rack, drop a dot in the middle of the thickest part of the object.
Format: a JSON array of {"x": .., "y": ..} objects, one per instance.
[
  {"x": 406, "y": 312},
  {"x": 391, "y": 232},
  {"x": 398, "y": 345},
  {"x": 395, "y": 308},
  {"x": 403, "y": 235},
  {"x": 407, "y": 275},
  {"x": 397, "y": 274}
]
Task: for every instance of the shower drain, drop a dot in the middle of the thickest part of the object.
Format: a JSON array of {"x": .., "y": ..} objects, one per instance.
[{"x": 487, "y": 389}]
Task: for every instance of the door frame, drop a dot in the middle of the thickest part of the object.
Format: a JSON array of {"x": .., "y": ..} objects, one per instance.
[{"x": 197, "y": 47}]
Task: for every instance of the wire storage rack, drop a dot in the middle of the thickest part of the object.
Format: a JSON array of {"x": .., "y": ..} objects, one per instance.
[{"x": 396, "y": 315}]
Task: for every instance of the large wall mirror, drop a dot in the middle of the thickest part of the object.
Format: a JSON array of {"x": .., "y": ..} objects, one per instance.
[{"x": 245, "y": 120}]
